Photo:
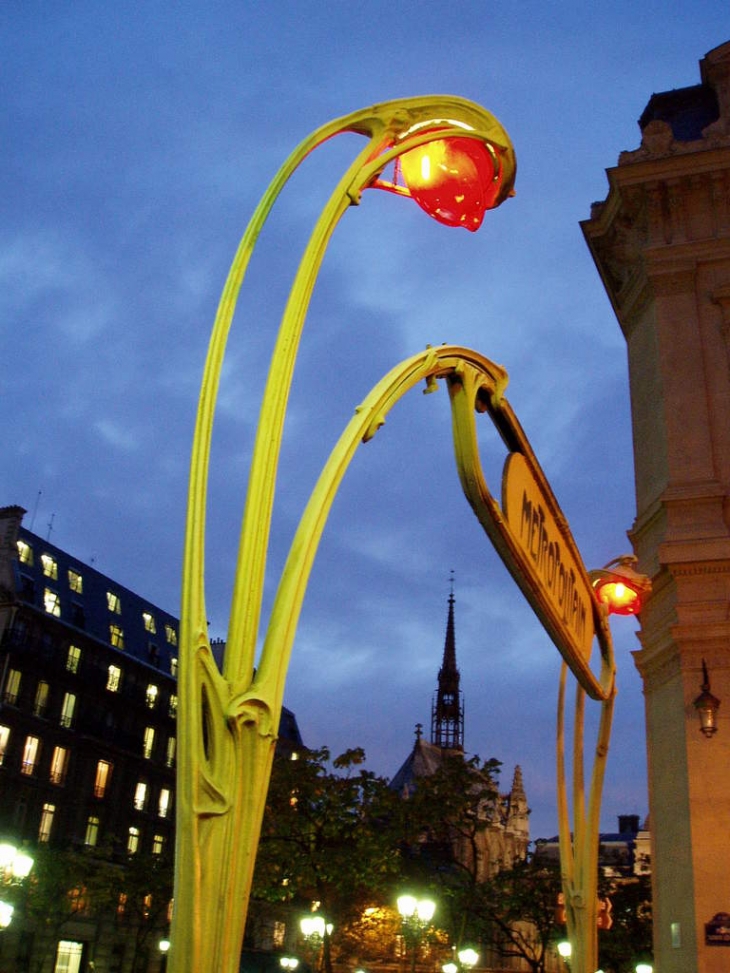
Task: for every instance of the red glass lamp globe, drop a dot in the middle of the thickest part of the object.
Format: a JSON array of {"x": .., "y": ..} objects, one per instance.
[{"x": 455, "y": 180}]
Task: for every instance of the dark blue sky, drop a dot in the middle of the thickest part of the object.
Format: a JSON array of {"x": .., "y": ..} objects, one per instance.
[{"x": 136, "y": 140}]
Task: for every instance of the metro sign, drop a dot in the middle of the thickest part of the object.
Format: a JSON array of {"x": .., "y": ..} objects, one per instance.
[{"x": 554, "y": 570}]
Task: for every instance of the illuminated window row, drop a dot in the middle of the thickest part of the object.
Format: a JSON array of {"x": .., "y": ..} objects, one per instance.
[
  {"x": 11, "y": 693},
  {"x": 141, "y": 798},
  {"x": 50, "y": 567},
  {"x": 133, "y": 843},
  {"x": 76, "y": 584},
  {"x": 113, "y": 685},
  {"x": 60, "y": 758}
]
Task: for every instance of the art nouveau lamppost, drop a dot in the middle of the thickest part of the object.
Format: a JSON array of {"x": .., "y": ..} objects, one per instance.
[{"x": 456, "y": 161}]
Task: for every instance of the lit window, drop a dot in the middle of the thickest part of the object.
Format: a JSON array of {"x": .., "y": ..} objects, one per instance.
[
  {"x": 25, "y": 553},
  {"x": 122, "y": 903},
  {"x": 173, "y": 666},
  {"x": 113, "y": 679},
  {"x": 151, "y": 696},
  {"x": 4, "y": 737},
  {"x": 114, "y": 602},
  {"x": 41, "y": 698},
  {"x": 116, "y": 636},
  {"x": 73, "y": 658},
  {"x": 92, "y": 831},
  {"x": 147, "y": 905},
  {"x": 59, "y": 765},
  {"x": 170, "y": 634},
  {"x": 158, "y": 844},
  {"x": 140, "y": 795},
  {"x": 103, "y": 777},
  {"x": 149, "y": 622},
  {"x": 31, "y": 752},
  {"x": 12, "y": 686},
  {"x": 170, "y": 752},
  {"x": 68, "y": 956},
  {"x": 163, "y": 805},
  {"x": 51, "y": 602},
  {"x": 78, "y": 903},
  {"x": 44, "y": 831},
  {"x": 50, "y": 568},
  {"x": 172, "y": 706},
  {"x": 67, "y": 709},
  {"x": 75, "y": 581},
  {"x": 148, "y": 742},
  {"x": 132, "y": 840}
]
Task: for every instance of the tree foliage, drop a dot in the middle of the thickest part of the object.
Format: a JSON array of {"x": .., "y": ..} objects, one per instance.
[
  {"x": 518, "y": 910},
  {"x": 444, "y": 823},
  {"x": 629, "y": 939},
  {"x": 327, "y": 837}
]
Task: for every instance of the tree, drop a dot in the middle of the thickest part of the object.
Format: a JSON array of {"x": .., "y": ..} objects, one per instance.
[
  {"x": 65, "y": 885},
  {"x": 518, "y": 909},
  {"x": 143, "y": 895},
  {"x": 630, "y": 937},
  {"x": 444, "y": 822},
  {"x": 328, "y": 837}
]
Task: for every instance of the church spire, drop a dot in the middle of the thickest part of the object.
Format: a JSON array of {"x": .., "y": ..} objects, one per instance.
[{"x": 447, "y": 709}]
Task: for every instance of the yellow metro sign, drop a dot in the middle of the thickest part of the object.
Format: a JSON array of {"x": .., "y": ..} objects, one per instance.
[
  {"x": 554, "y": 570},
  {"x": 529, "y": 532}
]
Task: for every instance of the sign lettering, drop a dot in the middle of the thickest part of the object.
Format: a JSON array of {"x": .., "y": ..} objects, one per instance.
[{"x": 553, "y": 568}]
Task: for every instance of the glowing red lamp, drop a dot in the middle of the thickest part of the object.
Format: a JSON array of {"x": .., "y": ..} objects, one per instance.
[
  {"x": 619, "y": 587},
  {"x": 455, "y": 180}
]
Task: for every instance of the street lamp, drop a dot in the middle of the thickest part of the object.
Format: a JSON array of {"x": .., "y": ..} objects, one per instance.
[
  {"x": 456, "y": 161},
  {"x": 462, "y": 165},
  {"x": 316, "y": 932},
  {"x": 468, "y": 958},
  {"x": 565, "y": 950},
  {"x": 416, "y": 914},
  {"x": 6, "y": 914},
  {"x": 619, "y": 587},
  {"x": 15, "y": 865}
]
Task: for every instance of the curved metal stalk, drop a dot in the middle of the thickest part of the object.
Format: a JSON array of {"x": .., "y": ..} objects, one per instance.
[
  {"x": 227, "y": 727},
  {"x": 579, "y": 848}
]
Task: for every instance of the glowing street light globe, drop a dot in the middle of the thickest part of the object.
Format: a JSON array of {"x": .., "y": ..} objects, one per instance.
[
  {"x": 620, "y": 588},
  {"x": 409, "y": 907},
  {"x": 455, "y": 180},
  {"x": 468, "y": 957}
]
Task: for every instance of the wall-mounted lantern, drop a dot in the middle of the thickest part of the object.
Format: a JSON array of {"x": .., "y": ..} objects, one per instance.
[{"x": 707, "y": 705}]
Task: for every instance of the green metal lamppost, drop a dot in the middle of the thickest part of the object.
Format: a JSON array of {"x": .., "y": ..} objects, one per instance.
[{"x": 456, "y": 161}]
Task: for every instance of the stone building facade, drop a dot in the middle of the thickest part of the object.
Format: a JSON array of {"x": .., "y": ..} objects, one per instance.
[{"x": 661, "y": 243}]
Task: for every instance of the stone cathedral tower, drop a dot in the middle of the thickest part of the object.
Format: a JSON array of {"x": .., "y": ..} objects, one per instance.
[
  {"x": 661, "y": 243},
  {"x": 447, "y": 710},
  {"x": 506, "y": 837}
]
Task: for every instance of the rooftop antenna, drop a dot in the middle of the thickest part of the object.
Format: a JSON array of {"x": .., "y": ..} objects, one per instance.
[
  {"x": 50, "y": 527},
  {"x": 35, "y": 510}
]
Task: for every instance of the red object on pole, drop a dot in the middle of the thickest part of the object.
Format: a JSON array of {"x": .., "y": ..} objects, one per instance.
[{"x": 455, "y": 180}]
